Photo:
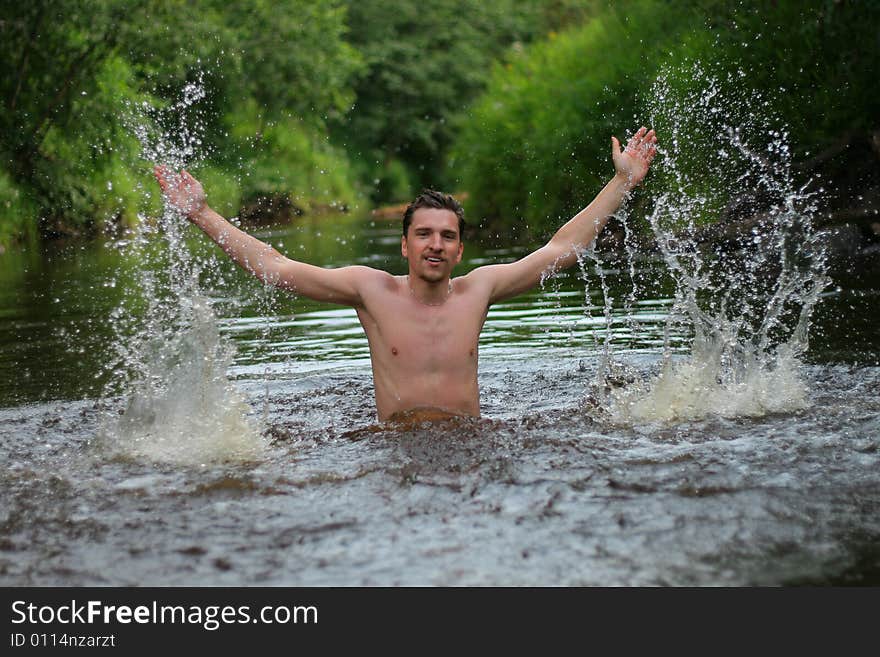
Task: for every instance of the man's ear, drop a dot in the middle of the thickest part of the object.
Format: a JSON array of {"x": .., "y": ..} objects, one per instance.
[
  {"x": 460, "y": 252},
  {"x": 403, "y": 247}
]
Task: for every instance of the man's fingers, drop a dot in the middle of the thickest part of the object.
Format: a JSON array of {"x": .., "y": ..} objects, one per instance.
[
  {"x": 161, "y": 173},
  {"x": 643, "y": 142},
  {"x": 170, "y": 181},
  {"x": 636, "y": 139},
  {"x": 160, "y": 178}
]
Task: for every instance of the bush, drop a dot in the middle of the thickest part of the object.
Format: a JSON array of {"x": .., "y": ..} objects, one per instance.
[
  {"x": 287, "y": 158},
  {"x": 534, "y": 148},
  {"x": 16, "y": 210}
]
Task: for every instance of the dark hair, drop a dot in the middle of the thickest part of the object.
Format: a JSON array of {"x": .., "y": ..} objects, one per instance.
[{"x": 430, "y": 198}]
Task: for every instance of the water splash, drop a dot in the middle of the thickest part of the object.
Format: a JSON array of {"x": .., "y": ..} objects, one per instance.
[
  {"x": 171, "y": 362},
  {"x": 183, "y": 408},
  {"x": 736, "y": 234},
  {"x": 171, "y": 135}
]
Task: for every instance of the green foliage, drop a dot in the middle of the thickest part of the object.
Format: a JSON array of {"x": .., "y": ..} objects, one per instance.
[
  {"x": 52, "y": 51},
  {"x": 82, "y": 72},
  {"x": 803, "y": 69},
  {"x": 16, "y": 212},
  {"x": 91, "y": 174},
  {"x": 397, "y": 84},
  {"x": 817, "y": 60},
  {"x": 291, "y": 158},
  {"x": 292, "y": 57},
  {"x": 394, "y": 182},
  {"x": 58, "y": 130},
  {"x": 535, "y": 146},
  {"x": 425, "y": 60}
]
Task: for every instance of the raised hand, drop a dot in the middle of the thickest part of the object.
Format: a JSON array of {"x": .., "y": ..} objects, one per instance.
[
  {"x": 633, "y": 162},
  {"x": 183, "y": 192}
]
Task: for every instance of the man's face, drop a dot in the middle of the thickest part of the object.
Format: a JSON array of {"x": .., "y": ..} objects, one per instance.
[{"x": 432, "y": 244}]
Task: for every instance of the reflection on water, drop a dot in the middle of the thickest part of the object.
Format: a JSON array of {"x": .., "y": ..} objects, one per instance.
[{"x": 543, "y": 490}]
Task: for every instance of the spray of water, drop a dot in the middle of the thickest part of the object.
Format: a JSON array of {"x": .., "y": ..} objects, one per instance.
[
  {"x": 171, "y": 362},
  {"x": 737, "y": 238}
]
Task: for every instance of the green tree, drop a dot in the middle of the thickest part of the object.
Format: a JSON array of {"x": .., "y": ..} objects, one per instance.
[
  {"x": 55, "y": 53},
  {"x": 425, "y": 60},
  {"x": 815, "y": 65},
  {"x": 288, "y": 72},
  {"x": 79, "y": 69},
  {"x": 535, "y": 145}
]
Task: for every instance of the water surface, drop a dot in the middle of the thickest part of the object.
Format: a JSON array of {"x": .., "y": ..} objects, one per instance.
[{"x": 548, "y": 488}]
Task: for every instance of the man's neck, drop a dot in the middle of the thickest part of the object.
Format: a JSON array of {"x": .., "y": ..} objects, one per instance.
[{"x": 429, "y": 293}]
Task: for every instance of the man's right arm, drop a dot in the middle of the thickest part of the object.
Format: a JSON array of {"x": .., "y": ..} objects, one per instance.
[{"x": 340, "y": 286}]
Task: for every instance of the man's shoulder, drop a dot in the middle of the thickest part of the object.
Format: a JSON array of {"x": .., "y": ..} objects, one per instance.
[
  {"x": 364, "y": 272},
  {"x": 373, "y": 279},
  {"x": 476, "y": 277},
  {"x": 476, "y": 286}
]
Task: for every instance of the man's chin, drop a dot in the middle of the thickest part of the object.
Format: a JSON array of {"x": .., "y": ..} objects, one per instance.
[{"x": 434, "y": 276}]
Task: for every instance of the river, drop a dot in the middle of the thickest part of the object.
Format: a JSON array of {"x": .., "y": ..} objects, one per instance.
[{"x": 549, "y": 487}]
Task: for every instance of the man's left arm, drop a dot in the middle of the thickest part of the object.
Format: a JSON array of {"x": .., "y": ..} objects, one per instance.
[{"x": 631, "y": 165}]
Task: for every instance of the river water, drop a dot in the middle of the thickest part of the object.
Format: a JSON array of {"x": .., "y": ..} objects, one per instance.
[{"x": 258, "y": 461}]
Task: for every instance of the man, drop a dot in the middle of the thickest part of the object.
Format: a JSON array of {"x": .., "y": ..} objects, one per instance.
[{"x": 423, "y": 328}]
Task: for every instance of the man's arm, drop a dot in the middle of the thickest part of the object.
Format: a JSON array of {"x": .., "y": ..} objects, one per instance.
[
  {"x": 186, "y": 195},
  {"x": 631, "y": 165}
]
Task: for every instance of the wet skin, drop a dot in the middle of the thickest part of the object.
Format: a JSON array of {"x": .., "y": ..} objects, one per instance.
[{"x": 423, "y": 328}]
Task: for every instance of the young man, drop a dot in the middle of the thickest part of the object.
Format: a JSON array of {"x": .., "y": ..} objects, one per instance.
[{"x": 423, "y": 328}]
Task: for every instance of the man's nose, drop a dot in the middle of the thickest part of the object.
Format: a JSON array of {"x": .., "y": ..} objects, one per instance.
[{"x": 435, "y": 242}]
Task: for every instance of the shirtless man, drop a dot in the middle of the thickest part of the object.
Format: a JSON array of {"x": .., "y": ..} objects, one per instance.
[{"x": 423, "y": 328}]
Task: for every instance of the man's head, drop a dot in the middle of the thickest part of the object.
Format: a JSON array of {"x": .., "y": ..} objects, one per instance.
[
  {"x": 431, "y": 239},
  {"x": 430, "y": 198}
]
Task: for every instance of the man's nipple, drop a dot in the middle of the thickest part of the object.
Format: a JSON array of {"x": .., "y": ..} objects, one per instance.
[{"x": 393, "y": 351}]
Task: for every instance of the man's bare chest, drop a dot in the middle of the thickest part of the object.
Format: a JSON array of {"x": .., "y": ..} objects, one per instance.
[{"x": 425, "y": 333}]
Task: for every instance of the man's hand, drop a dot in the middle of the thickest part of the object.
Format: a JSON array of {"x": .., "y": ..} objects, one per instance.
[
  {"x": 632, "y": 163},
  {"x": 183, "y": 192}
]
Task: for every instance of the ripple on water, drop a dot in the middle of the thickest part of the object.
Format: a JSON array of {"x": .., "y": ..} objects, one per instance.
[{"x": 552, "y": 496}]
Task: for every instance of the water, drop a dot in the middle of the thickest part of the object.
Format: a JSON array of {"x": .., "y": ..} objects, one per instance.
[
  {"x": 171, "y": 363},
  {"x": 544, "y": 490},
  {"x": 166, "y": 421}
]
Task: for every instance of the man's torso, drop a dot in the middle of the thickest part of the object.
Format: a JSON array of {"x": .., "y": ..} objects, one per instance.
[{"x": 423, "y": 355}]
